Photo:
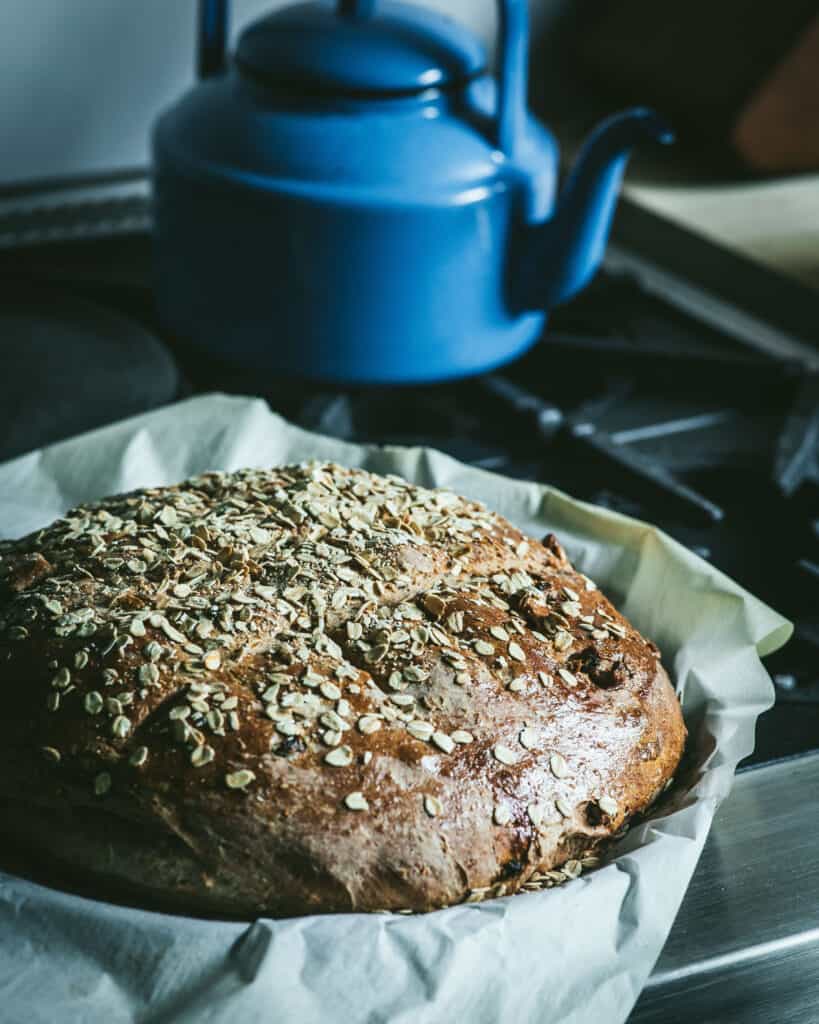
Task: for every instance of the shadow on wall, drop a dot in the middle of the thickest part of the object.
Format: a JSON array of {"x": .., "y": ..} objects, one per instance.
[{"x": 739, "y": 82}]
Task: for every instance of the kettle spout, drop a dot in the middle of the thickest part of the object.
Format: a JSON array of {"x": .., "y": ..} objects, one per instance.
[{"x": 564, "y": 252}]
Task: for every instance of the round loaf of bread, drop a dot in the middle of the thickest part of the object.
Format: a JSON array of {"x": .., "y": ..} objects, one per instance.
[{"x": 313, "y": 689}]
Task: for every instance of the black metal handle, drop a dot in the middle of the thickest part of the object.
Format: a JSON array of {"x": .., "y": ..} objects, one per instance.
[{"x": 211, "y": 37}]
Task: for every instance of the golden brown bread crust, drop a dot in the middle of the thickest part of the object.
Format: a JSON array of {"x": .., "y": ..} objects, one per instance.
[{"x": 314, "y": 689}]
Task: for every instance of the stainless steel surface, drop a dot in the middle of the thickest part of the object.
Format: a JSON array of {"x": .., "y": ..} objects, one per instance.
[
  {"x": 745, "y": 946},
  {"x": 709, "y": 309}
]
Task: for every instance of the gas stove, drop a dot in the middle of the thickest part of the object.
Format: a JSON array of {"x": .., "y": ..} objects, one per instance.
[
  {"x": 680, "y": 388},
  {"x": 639, "y": 402}
]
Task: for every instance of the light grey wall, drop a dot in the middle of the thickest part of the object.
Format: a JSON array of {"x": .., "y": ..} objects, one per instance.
[{"x": 81, "y": 80}]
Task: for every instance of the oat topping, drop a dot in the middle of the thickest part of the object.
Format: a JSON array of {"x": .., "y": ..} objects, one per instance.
[
  {"x": 433, "y": 806},
  {"x": 562, "y": 640},
  {"x": 443, "y": 742},
  {"x": 93, "y": 702},
  {"x": 607, "y": 805},
  {"x": 563, "y": 807},
  {"x": 455, "y": 622},
  {"x": 340, "y": 757},
  {"x": 369, "y": 724},
  {"x": 240, "y": 779},
  {"x": 421, "y": 730},
  {"x": 138, "y": 757},
  {"x": 121, "y": 726},
  {"x": 536, "y": 813},
  {"x": 516, "y": 652},
  {"x": 504, "y": 754},
  {"x": 201, "y": 755},
  {"x": 501, "y": 815},
  {"x": 356, "y": 802},
  {"x": 351, "y": 598},
  {"x": 528, "y": 738},
  {"x": 102, "y": 783}
]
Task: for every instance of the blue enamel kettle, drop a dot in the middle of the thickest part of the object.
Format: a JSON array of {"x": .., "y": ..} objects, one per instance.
[{"x": 355, "y": 198}]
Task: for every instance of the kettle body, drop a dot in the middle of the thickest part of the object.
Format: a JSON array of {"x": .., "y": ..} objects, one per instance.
[{"x": 316, "y": 215}]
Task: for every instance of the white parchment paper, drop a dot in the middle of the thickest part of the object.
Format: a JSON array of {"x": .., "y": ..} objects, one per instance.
[{"x": 579, "y": 953}]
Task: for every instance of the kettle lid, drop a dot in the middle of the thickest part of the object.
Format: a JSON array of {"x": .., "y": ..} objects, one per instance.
[{"x": 379, "y": 47}]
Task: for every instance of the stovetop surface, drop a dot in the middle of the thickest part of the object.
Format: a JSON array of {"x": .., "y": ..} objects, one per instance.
[
  {"x": 672, "y": 390},
  {"x": 634, "y": 399}
]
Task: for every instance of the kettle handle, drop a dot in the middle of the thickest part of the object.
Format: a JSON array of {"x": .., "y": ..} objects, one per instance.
[
  {"x": 211, "y": 34},
  {"x": 513, "y": 45}
]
